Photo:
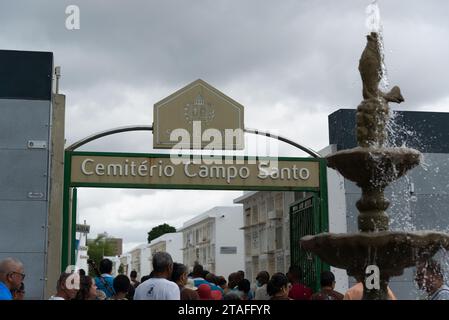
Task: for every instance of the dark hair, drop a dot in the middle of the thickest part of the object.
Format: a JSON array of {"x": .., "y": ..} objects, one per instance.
[
  {"x": 204, "y": 274},
  {"x": 85, "y": 284},
  {"x": 133, "y": 274},
  {"x": 327, "y": 278},
  {"x": 82, "y": 272},
  {"x": 162, "y": 261},
  {"x": 231, "y": 295},
  {"x": 211, "y": 277},
  {"x": 145, "y": 278},
  {"x": 221, "y": 281},
  {"x": 178, "y": 270},
  {"x": 263, "y": 277},
  {"x": 295, "y": 272},
  {"x": 233, "y": 279},
  {"x": 198, "y": 270},
  {"x": 276, "y": 283},
  {"x": 61, "y": 281},
  {"x": 244, "y": 285},
  {"x": 105, "y": 266},
  {"x": 433, "y": 267},
  {"x": 121, "y": 283},
  {"x": 241, "y": 273}
]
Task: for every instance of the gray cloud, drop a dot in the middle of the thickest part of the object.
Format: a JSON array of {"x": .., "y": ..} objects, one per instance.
[{"x": 290, "y": 63}]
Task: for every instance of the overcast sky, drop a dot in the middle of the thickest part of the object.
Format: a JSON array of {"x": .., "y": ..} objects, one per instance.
[{"x": 290, "y": 63}]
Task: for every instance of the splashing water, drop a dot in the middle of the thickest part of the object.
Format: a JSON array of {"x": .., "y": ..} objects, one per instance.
[{"x": 374, "y": 24}]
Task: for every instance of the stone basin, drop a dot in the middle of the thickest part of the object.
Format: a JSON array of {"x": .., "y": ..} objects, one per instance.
[
  {"x": 391, "y": 251},
  {"x": 376, "y": 167}
]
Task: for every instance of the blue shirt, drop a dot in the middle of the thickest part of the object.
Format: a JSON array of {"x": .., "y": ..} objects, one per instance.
[
  {"x": 5, "y": 294},
  {"x": 199, "y": 281},
  {"x": 100, "y": 285}
]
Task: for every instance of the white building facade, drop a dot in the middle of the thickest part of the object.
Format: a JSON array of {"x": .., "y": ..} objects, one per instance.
[
  {"x": 214, "y": 239},
  {"x": 170, "y": 243},
  {"x": 266, "y": 231}
]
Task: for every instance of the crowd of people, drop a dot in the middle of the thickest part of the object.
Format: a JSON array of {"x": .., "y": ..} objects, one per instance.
[{"x": 173, "y": 281}]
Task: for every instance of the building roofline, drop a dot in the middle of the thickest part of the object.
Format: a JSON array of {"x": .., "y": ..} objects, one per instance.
[
  {"x": 164, "y": 237},
  {"x": 245, "y": 196},
  {"x": 209, "y": 214}
]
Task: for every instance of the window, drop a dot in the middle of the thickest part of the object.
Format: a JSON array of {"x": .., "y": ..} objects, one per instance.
[
  {"x": 279, "y": 205},
  {"x": 247, "y": 216},
  {"x": 247, "y": 243},
  {"x": 263, "y": 211},
  {"x": 255, "y": 214},
  {"x": 255, "y": 240},
  {"x": 279, "y": 238},
  {"x": 228, "y": 250}
]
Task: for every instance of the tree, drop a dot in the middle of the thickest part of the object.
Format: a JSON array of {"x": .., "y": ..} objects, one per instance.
[
  {"x": 98, "y": 248},
  {"x": 159, "y": 231},
  {"x": 121, "y": 269}
]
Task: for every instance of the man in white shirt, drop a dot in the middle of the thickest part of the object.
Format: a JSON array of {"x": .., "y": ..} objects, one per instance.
[{"x": 159, "y": 287}]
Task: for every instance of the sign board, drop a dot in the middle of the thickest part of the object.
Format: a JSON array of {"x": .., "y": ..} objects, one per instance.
[
  {"x": 93, "y": 169},
  {"x": 198, "y": 108},
  {"x": 82, "y": 228}
]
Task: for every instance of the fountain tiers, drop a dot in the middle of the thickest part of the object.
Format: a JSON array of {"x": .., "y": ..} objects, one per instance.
[{"x": 373, "y": 167}]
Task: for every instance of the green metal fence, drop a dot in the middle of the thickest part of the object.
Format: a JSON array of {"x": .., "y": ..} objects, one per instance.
[{"x": 306, "y": 218}]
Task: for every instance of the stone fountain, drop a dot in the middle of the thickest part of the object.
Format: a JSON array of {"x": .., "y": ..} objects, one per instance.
[{"x": 373, "y": 166}]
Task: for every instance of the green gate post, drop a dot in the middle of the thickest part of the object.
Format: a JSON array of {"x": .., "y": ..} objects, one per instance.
[
  {"x": 73, "y": 229},
  {"x": 66, "y": 210}
]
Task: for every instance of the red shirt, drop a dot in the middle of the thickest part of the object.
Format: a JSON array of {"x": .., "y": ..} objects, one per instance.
[{"x": 299, "y": 291}]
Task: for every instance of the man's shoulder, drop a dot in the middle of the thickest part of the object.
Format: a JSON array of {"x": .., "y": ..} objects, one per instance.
[
  {"x": 443, "y": 293},
  {"x": 5, "y": 294}
]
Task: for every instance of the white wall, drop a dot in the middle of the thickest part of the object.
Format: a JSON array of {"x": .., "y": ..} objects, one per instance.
[
  {"x": 337, "y": 219},
  {"x": 174, "y": 246},
  {"x": 145, "y": 262},
  {"x": 229, "y": 234}
]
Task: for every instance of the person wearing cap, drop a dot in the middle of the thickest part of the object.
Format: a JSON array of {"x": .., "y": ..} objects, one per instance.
[{"x": 186, "y": 287}]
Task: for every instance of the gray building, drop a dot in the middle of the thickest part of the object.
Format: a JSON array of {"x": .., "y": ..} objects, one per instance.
[
  {"x": 29, "y": 160},
  {"x": 419, "y": 201}
]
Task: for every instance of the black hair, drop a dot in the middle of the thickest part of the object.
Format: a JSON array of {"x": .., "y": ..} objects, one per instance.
[
  {"x": 244, "y": 285},
  {"x": 85, "y": 284},
  {"x": 231, "y": 295},
  {"x": 145, "y": 278},
  {"x": 198, "y": 270},
  {"x": 82, "y": 272},
  {"x": 263, "y": 276},
  {"x": 295, "y": 272},
  {"x": 105, "y": 266},
  {"x": 121, "y": 283},
  {"x": 133, "y": 274},
  {"x": 221, "y": 281},
  {"x": 276, "y": 283},
  {"x": 327, "y": 279},
  {"x": 178, "y": 270}
]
